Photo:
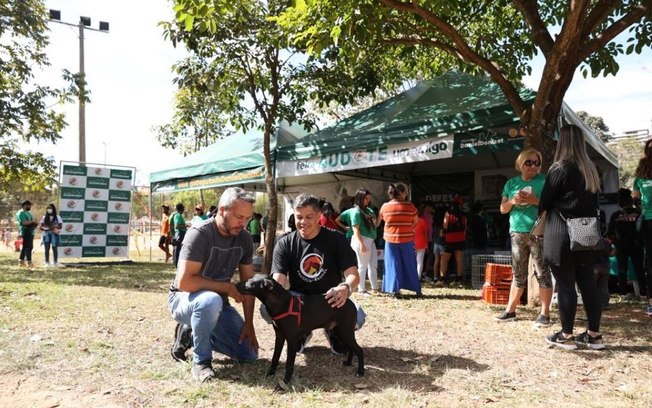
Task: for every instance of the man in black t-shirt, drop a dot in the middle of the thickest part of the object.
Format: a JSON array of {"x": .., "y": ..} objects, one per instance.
[
  {"x": 314, "y": 260},
  {"x": 199, "y": 296}
]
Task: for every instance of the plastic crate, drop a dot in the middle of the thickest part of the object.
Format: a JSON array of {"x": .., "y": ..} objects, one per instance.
[
  {"x": 498, "y": 275},
  {"x": 479, "y": 263},
  {"x": 495, "y": 295}
]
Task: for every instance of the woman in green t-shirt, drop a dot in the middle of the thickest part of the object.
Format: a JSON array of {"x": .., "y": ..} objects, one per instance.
[
  {"x": 643, "y": 190},
  {"x": 363, "y": 225},
  {"x": 520, "y": 200}
]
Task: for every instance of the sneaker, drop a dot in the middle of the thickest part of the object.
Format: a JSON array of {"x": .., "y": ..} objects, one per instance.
[
  {"x": 506, "y": 317},
  {"x": 649, "y": 310},
  {"x": 46, "y": 265},
  {"x": 21, "y": 263},
  {"x": 203, "y": 372},
  {"x": 542, "y": 320},
  {"x": 182, "y": 342},
  {"x": 558, "y": 340},
  {"x": 304, "y": 342},
  {"x": 337, "y": 348},
  {"x": 594, "y": 343},
  {"x": 30, "y": 264}
]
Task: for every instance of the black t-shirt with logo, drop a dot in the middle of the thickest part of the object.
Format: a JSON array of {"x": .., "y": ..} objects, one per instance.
[{"x": 316, "y": 265}]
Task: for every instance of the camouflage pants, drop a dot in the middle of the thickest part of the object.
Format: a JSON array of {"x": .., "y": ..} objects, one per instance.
[{"x": 524, "y": 247}]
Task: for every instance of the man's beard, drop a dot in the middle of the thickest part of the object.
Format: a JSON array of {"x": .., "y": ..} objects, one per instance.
[{"x": 225, "y": 226}]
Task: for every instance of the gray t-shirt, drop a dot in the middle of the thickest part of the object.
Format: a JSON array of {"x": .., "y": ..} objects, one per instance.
[{"x": 219, "y": 255}]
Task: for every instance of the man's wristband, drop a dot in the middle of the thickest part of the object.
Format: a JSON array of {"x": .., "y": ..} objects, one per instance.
[{"x": 347, "y": 286}]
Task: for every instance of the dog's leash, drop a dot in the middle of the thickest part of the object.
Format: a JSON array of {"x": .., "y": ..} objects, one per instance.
[{"x": 291, "y": 312}]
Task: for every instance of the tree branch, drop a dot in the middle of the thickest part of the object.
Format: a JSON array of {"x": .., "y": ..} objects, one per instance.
[
  {"x": 530, "y": 11},
  {"x": 616, "y": 28},
  {"x": 600, "y": 11},
  {"x": 464, "y": 50}
]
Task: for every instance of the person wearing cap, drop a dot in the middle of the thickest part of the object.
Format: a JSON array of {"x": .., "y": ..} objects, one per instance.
[
  {"x": 164, "y": 241},
  {"x": 199, "y": 216},
  {"x": 178, "y": 230},
  {"x": 26, "y": 226}
]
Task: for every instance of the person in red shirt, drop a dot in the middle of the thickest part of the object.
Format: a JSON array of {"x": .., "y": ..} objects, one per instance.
[
  {"x": 328, "y": 216},
  {"x": 421, "y": 240}
]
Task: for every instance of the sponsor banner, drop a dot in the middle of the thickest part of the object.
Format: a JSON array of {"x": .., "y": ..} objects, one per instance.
[
  {"x": 95, "y": 217},
  {"x": 117, "y": 240},
  {"x": 421, "y": 150},
  {"x": 70, "y": 252},
  {"x": 71, "y": 240},
  {"x": 117, "y": 229},
  {"x": 69, "y": 170},
  {"x": 73, "y": 193},
  {"x": 95, "y": 229},
  {"x": 94, "y": 240},
  {"x": 211, "y": 181},
  {"x": 96, "y": 205},
  {"x": 487, "y": 141},
  {"x": 97, "y": 182},
  {"x": 117, "y": 195},
  {"x": 75, "y": 228},
  {"x": 119, "y": 251},
  {"x": 122, "y": 185},
  {"x": 117, "y": 218},
  {"x": 96, "y": 194},
  {"x": 73, "y": 181},
  {"x": 120, "y": 206},
  {"x": 121, "y": 174},
  {"x": 72, "y": 216},
  {"x": 94, "y": 252},
  {"x": 71, "y": 205},
  {"x": 95, "y": 208}
]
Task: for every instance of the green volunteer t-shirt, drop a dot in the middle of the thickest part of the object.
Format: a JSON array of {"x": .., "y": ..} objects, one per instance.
[
  {"x": 522, "y": 217},
  {"x": 358, "y": 219},
  {"x": 177, "y": 218},
  {"x": 644, "y": 187},
  {"x": 347, "y": 218},
  {"x": 21, "y": 216}
]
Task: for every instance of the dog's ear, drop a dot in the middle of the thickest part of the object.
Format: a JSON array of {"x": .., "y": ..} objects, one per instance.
[{"x": 269, "y": 284}]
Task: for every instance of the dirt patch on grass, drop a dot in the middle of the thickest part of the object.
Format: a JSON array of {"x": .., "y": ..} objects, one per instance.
[{"x": 100, "y": 337}]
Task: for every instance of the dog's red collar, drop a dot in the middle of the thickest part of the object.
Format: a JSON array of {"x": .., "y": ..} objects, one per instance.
[{"x": 292, "y": 312}]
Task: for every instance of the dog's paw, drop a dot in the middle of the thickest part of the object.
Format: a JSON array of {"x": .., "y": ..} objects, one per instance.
[
  {"x": 359, "y": 374},
  {"x": 270, "y": 373},
  {"x": 346, "y": 363}
]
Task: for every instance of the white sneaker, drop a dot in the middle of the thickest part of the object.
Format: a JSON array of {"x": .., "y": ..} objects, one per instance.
[
  {"x": 55, "y": 264},
  {"x": 46, "y": 265}
]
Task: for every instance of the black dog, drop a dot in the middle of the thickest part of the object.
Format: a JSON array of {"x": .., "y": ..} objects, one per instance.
[{"x": 294, "y": 317}]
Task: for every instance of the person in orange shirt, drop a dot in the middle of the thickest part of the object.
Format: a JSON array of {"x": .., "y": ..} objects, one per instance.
[
  {"x": 400, "y": 218},
  {"x": 164, "y": 241}
]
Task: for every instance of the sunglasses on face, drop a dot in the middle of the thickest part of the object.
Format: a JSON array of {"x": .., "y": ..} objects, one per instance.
[{"x": 532, "y": 163}]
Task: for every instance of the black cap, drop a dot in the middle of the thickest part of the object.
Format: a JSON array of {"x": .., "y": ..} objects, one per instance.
[
  {"x": 167, "y": 207},
  {"x": 26, "y": 202}
]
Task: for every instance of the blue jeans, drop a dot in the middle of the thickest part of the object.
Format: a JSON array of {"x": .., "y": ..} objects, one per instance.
[{"x": 216, "y": 325}]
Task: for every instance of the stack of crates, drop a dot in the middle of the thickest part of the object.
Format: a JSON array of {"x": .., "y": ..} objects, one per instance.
[
  {"x": 498, "y": 280},
  {"x": 479, "y": 264}
]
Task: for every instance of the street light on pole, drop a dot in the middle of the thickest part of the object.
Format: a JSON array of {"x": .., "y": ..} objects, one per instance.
[{"x": 84, "y": 24}]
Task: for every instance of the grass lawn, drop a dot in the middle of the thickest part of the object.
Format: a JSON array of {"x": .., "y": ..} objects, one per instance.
[{"x": 99, "y": 336}]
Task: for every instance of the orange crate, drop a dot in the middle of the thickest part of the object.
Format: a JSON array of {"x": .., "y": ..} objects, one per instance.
[
  {"x": 495, "y": 295},
  {"x": 498, "y": 275}
]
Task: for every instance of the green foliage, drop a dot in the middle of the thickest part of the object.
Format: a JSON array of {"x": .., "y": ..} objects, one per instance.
[
  {"x": 628, "y": 152},
  {"x": 596, "y": 123},
  {"x": 497, "y": 38},
  {"x": 25, "y": 106}
]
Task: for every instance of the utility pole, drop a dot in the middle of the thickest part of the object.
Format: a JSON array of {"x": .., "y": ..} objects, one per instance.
[{"x": 84, "y": 24}]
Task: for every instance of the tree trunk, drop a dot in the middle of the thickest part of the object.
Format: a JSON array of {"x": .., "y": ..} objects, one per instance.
[{"x": 270, "y": 232}]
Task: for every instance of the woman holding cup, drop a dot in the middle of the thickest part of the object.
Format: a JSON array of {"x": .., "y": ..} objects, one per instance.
[{"x": 520, "y": 200}]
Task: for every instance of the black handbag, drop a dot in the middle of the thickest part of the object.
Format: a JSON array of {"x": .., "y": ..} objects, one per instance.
[{"x": 584, "y": 233}]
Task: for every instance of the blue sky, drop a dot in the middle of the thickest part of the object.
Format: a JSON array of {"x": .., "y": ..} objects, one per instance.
[{"x": 128, "y": 72}]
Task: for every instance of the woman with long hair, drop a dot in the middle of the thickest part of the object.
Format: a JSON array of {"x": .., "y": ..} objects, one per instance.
[
  {"x": 571, "y": 191},
  {"x": 643, "y": 191},
  {"x": 520, "y": 200},
  {"x": 363, "y": 225},
  {"x": 328, "y": 216},
  {"x": 400, "y": 218},
  {"x": 51, "y": 224}
]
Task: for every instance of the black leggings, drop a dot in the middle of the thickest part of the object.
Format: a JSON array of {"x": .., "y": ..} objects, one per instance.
[
  {"x": 647, "y": 238},
  {"x": 567, "y": 275},
  {"x": 623, "y": 255}
]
